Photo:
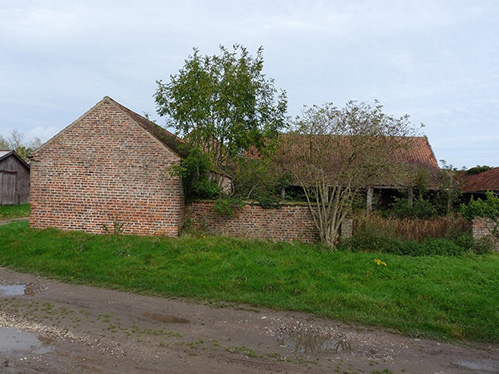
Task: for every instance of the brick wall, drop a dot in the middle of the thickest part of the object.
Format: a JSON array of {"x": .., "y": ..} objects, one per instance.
[
  {"x": 290, "y": 222},
  {"x": 105, "y": 168},
  {"x": 483, "y": 227}
]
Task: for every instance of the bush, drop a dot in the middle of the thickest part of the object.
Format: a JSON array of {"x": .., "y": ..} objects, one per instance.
[
  {"x": 376, "y": 242},
  {"x": 484, "y": 245},
  {"x": 268, "y": 202},
  {"x": 370, "y": 240},
  {"x": 446, "y": 236},
  {"x": 465, "y": 240},
  {"x": 227, "y": 206},
  {"x": 488, "y": 208},
  {"x": 420, "y": 208},
  {"x": 450, "y": 226},
  {"x": 195, "y": 172}
]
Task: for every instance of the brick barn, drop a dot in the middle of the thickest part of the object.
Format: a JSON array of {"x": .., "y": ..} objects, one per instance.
[{"x": 108, "y": 168}]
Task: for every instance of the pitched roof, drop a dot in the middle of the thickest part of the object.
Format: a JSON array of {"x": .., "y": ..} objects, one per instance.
[
  {"x": 172, "y": 141},
  {"x": 4, "y": 154},
  {"x": 419, "y": 154},
  {"x": 484, "y": 181},
  {"x": 413, "y": 154}
]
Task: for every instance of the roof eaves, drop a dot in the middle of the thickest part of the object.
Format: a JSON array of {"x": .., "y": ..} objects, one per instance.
[
  {"x": 166, "y": 138},
  {"x": 14, "y": 153}
]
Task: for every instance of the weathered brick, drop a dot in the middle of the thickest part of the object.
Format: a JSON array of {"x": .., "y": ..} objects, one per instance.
[
  {"x": 483, "y": 227},
  {"x": 290, "y": 222},
  {"x": 105, "y": 168}
]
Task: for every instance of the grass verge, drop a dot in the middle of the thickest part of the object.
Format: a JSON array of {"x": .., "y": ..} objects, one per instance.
[
  {"x": 438, "y": 297},
  {"x": 14, "y": 211}
]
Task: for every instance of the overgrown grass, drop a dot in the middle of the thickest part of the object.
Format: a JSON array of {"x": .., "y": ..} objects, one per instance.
[
  {"x": 14, "y": 211},
  {"x": 449, "y": 227},
  {"x": 437, "y": 297},
  {"x": 447, "y": 236}
]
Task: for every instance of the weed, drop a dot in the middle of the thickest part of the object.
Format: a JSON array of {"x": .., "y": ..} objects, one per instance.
[
  {"x": 117, "y": 228},
  {"x": 195, "y": 343},
  {"x": 265, "y": 262},
  {"x": 14, "y": 211},
  {"x": 243, "y": 350},
  {"x": 433, "y": 297}
]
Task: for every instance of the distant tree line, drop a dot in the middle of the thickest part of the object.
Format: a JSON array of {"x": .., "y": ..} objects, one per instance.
[{"x": 17, "y": 142}]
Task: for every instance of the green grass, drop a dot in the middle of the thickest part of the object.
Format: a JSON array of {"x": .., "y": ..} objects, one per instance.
[
  {"x": 14, "y": 211},
  {"x": 438, "y": 297}
]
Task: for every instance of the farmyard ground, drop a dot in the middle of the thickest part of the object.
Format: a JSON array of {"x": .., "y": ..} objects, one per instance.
[{"x": 83, "y": 329}]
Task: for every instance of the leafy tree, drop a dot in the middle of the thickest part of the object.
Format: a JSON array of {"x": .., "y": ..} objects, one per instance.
[
  {"x": 17, "y": 143},
  {"x": 195, "y": 173},
  {"x": 223, "y": 105},
  {"x": 478, "y": 169},
  {"x": 334, "y": 154}
]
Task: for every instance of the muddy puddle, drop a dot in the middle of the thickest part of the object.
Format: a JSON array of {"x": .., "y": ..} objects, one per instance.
[
  {"x": 12, "y": 290},
  {"x": 166, "y": 318},
  {"x": 484, "y": 366},
  {"x": 310, "y": 343},
  {"x": 29, "y": 289},
  {"x": 12, "y": 340}
]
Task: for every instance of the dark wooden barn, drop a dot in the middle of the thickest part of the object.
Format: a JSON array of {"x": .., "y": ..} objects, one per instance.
[{"x": 14, "y": 179}]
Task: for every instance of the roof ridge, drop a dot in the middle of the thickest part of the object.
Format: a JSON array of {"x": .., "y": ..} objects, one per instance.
[
  {"x": 14, "y": 153},
  {"x": 165, "y": 137},
  {"x": 168, "y": 139}
]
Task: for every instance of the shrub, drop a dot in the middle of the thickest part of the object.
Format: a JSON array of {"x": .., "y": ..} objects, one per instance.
[
  {"x": 450, "y": 226},
  {"x": 488, "y": 208},
  {"x": 484, "y": 245},
  {"x": 195, "y": 172},
  {"x": 446, "y": 236},
  {"x": 465, "y": 240},
  {"x": 420, "y": 208},
  {"x": 268, "y": 202},
  {"x": 227, "y": 206},
  {"x": 372, "y": 242}
]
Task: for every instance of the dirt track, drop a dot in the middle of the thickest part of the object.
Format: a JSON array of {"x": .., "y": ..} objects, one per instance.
[{"x": 83, "y": 329}]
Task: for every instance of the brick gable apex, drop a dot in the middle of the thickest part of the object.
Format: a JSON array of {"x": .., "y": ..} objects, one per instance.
[
  {"x": 106, "y": 168},
  {"x": 160, "y": 135}
]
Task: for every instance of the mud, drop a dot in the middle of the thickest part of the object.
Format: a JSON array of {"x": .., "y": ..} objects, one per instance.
[
  {"x": 12, "y": 290},
  {"x": 12, "y": 340},
  {"x": 63, "y": 328}
]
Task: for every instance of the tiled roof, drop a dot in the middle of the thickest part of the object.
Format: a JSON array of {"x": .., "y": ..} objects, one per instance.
[
  {"x": 484, "y": 181},
  {"x": 420, "y": 155},
  {"x": 173, "y": 142},
  {"x": 413, "y": 154}
]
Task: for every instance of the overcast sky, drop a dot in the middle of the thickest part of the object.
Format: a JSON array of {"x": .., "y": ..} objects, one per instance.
[{"x": 437, "y": 61}]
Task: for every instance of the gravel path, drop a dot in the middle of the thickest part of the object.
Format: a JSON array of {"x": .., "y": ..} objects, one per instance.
[{"x": 81, "y": 329}]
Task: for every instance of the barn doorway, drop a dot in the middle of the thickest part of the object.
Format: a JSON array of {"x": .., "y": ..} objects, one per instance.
[{"x": 8, "y": 188}]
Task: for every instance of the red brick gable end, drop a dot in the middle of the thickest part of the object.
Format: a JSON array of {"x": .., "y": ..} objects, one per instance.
[{"x": 104, "y": 170}]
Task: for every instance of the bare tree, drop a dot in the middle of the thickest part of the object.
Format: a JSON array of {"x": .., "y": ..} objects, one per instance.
[
  {"x": 17, "y": 143},
  {"x": 333, "y": 154}
]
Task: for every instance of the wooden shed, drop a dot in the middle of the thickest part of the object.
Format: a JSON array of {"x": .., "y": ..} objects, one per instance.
[{"x": 14, "y": 179}]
